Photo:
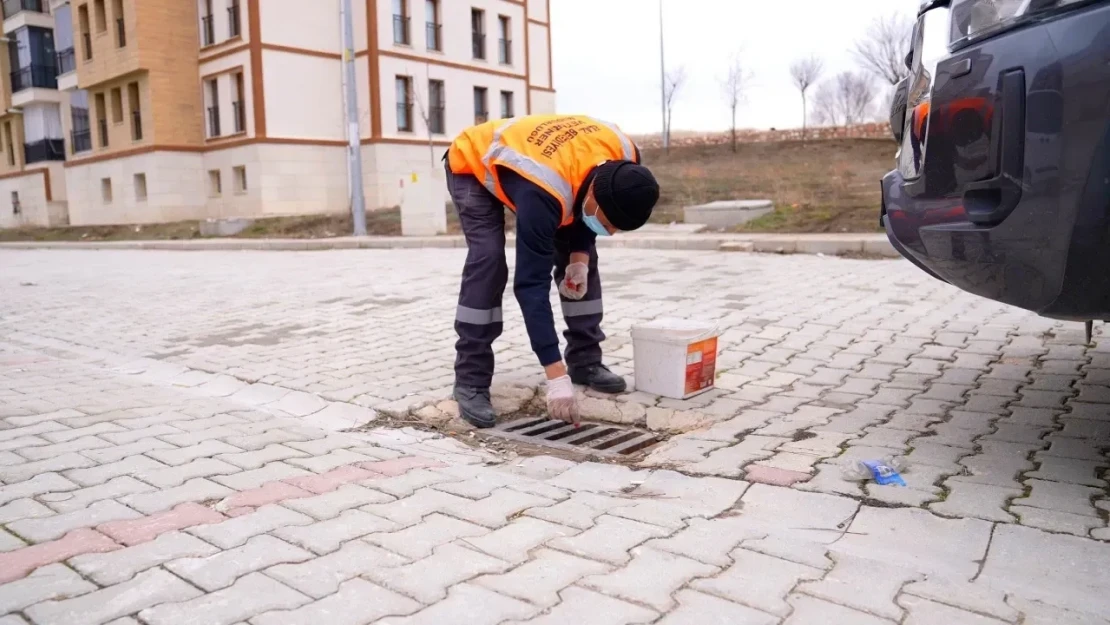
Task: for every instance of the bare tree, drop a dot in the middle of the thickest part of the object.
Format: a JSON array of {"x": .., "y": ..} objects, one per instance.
[
  {"x": 805, "y": 73},
  {"x": 844, "y": 100},
  {"x": 672, "y": 83},
  {"x": 884, "y": 48},
  {"x": 735, "y": 85}
]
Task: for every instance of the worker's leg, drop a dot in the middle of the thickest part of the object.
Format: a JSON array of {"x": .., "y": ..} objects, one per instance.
[
  {"x": 584, "y": 335},
  {"x": 478, "y": 316}
]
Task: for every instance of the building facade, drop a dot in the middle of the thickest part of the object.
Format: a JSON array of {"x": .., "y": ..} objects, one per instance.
[{"x": 145, "y": 111}]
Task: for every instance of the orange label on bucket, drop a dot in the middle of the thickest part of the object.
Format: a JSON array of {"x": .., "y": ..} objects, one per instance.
[{"x": 701, "y": 365}]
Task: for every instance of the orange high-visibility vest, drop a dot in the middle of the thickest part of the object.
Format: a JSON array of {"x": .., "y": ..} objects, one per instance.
[{"x": 556, "y": 152}]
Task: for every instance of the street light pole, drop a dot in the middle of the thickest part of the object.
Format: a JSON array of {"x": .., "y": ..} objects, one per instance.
[
  {"x": 663, "y": 80},
  {"x": 354, "y": 149}
]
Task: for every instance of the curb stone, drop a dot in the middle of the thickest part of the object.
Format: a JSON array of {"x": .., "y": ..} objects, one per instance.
[{"x": 829, "y": 245}]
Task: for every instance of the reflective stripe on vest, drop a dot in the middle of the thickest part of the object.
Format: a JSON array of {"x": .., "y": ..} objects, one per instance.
[{"x": 498, "y": 151}]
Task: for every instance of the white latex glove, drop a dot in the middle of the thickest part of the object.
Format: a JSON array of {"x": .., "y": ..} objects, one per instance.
[
  {"x": 561, "y": 402},
  {"x": 573, "y": 285}
]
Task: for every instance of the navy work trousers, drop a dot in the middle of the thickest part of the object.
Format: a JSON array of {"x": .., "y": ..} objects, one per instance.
[{"x": 478, "y": 320}]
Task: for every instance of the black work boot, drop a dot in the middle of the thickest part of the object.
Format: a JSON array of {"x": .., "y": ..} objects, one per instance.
[
  {"x": 475, "y": 406},
  {"x": 598, "y": 377}
]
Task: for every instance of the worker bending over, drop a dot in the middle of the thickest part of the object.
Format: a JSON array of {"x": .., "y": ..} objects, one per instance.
[{"x": 568, "y": 179}]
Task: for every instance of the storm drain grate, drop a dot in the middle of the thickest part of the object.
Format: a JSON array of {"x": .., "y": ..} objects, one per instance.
[{"x": 602, "y": 439}]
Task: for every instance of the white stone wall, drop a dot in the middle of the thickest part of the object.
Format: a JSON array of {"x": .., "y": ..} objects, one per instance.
[{"x": 34, "y": 208}]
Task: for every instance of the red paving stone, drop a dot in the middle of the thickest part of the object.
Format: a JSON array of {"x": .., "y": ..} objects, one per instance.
[
  {"x": 400, "y": 466},
  {"x": 22, "y": 562},
  {"x": 135, "y": 531},
  {"x": 327, "y": 482},
  {"x": 270, "y": 492},
  {"x": 775, "y": 477}
]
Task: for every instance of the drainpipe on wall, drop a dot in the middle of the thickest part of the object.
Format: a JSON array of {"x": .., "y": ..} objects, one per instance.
[{"x": 354, "y": 150}]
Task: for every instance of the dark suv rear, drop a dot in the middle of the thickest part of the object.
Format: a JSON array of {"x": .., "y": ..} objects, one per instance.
[{"x": 1002, "y": 186}]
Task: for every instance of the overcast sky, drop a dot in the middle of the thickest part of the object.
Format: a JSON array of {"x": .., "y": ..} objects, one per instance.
[{"x": 606, "y": 55}]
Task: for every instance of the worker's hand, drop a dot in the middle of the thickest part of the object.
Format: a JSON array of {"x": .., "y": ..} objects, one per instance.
[
  {"x": 573, "y": 285},
  {"x": 561, "y": 402}
]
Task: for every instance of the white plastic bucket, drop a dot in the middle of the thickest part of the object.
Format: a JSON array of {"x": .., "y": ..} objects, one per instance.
[{"x": 675, "y": 358}]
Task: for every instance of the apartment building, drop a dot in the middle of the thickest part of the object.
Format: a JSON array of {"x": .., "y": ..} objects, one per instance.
[{"x": 143, "y": 111}]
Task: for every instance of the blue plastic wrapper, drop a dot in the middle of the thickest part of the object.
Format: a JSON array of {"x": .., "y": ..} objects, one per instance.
[{"x": 884, "y": 474}]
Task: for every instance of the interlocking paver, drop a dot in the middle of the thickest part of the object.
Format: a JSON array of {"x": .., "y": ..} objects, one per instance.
[
  {"x": 198, "y": 489},
  {"x": 330, "y": 504},
  {"x": 1060, "y": 497},
  {"x": 866, "y": 585},
  {"x": 1057, "y": 520},
  {"x": 470, "y": 604},
  {"x": 924, "y": 612},
  {"x": 428, "y": 580},
  {"x": 50, "y": 528},
  {"x": 412, "y": 509},
  {"x": 609, "y": 540},
  {"x": 513, "y": 542},
  {"x": 650, "y": 578},
  {"x": 324, "y": 537},
  {"x": 358, "y": 602},
  {"x": 252, "y": 595},
  {"x": 321, "y": 576},
  {"x": 119, "y": 566},
  {"x": 219, "y": 570},
  {"x": 21, "y": 472},
  {"x": 146, "y": 589},
  {"x": 981, "y": 501},
  {"x": 964, "y": 595},
  {"x": 235, "y": 532},
  {"x": 541, "y": 579},
  {"x": 270, "y": 472},
  {"x": 419, "y": 541},
  {"x": 49, "y": 582},
  {"x": 809, "y": 610},
  {"x": 758, "y": 581},
  {"x": 695, "y": 608},
  {"x": 586, "y": 606}
]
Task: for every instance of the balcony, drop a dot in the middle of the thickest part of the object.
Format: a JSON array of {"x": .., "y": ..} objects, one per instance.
[
  {"x": 45, "y": 150},
  {"x": 213, "y": 121},
  {"x": 102, "y": 126},
  {"x": 432, "y": 35},
  {"x": 401, "y": 30},
  {"x": 121, "y": 33},
  {"x": 239, "y": 114},
  {"x": 81, "y": 140},
  {"x": 437, "y": 116},
  {"x": 207, "y": 31},
  {"x": 35, "y": 75},
  {"x": 478, "y": 45},
  {"x": 66, "y": 60},
  {"x": 404, "y": 117},
  {"x": 136, "y": 125},
  {"x": 11, "y": 7},
  {"x": 234, "y": 21},
  {"x": 505, "y": 51}
]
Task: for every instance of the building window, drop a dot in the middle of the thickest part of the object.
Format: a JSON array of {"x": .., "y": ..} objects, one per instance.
[
  {"x": 11, "y": 7},
  {"x": 213, "y": 89},
  {"x": 140, "y": 187},
  {"x": 431, "y": 25},
  {"x": 86, "y": 36},
  {"x": 238, "y": 112},
  {"x": 117, "y": 106},
  {"x": 102, "y": 119},
  {"x": 401, "y": 22},
  {"x": 121, "y": 30},
  {"x": 33, "y": 59},
  {"x": 207, "y": 25},
  {"x": 215, "y": 186},
  {"x": 240, "y": 174},
  {"x": 505, "y": 42},
  {"x": 17, "y": 208},
  {"x": 234, "y": 19},
  {"x": 66, "y": 58},
  {"x": 404, "y": 103},
  {"x": 437, "y": 108},
  {"x": 106, "y": 190},
  {"x": 506, "y": 104},
  {"x": 101, "y": 16},
  {"x": 136, "y": 111},
  {"x": 478, "y": 33},
  {"x": 9, "y": 144},
  {"x": 481, "y": 105},
  {"x": 81, "y": 135}
]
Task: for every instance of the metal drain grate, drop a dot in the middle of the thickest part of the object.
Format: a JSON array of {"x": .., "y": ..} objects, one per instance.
[{"x": 606, "y": 440}]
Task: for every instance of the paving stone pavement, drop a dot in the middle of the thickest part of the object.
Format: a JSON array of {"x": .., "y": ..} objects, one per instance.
[{"x": 189, "y": 437}]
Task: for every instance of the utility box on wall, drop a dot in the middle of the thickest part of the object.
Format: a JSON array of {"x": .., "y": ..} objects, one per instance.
[{"x": 423, "y": 204}]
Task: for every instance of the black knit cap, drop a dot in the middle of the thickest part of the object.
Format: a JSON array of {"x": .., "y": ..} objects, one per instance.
[{"x": 626, "y": 193}]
